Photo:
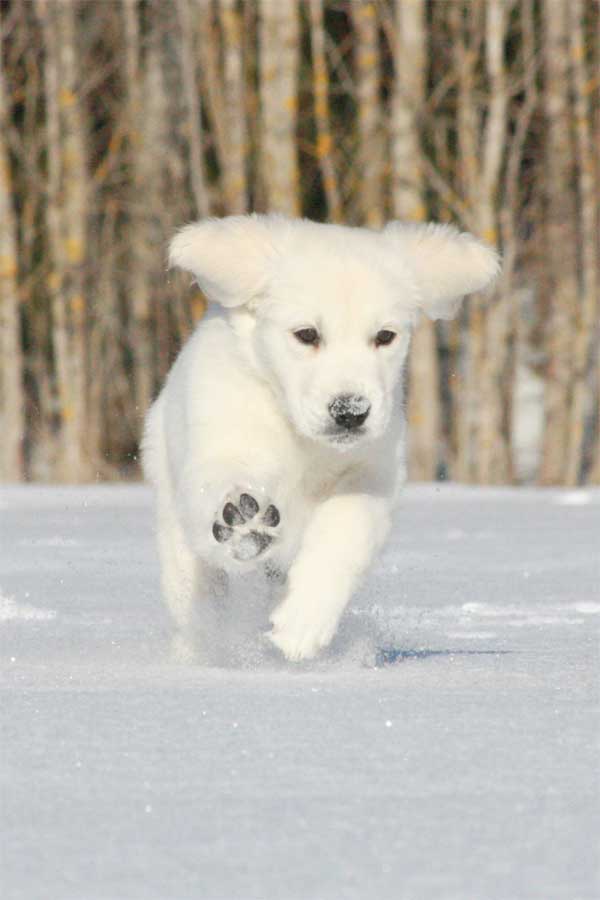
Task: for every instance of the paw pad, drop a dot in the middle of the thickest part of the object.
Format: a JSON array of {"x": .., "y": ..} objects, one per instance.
[
  {"x": 246, "y": 533},
  {"x": 248, "y": 506}
]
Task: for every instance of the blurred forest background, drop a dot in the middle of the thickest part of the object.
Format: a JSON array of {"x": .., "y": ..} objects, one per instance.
[{"x": 120, "y": 121}]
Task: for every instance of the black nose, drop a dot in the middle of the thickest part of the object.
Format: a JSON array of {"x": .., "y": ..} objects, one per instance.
[{"x": 349, "y": 410}]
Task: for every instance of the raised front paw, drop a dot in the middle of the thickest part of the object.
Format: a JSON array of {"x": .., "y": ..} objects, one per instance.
[{"x": 243, "y": 529}]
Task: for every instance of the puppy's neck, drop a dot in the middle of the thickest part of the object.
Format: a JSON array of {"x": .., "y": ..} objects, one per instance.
[{"x": 243, "y": 323}]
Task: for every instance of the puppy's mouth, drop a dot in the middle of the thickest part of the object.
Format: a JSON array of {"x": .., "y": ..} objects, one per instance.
[{"x": 344, "y": 437}]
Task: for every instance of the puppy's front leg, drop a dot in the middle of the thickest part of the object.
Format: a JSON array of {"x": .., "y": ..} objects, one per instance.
[{"x": 339, "y": 542}]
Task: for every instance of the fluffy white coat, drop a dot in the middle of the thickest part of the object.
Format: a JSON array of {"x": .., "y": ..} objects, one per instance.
[{"x": 250, "y": 413}]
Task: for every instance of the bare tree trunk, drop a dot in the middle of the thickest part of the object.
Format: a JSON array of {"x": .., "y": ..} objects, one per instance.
[
  {"x": 409, "y": 50},
  {"x": 12, "y": 410},
  {"x": 141, "y": 182},
  {"x": 493, "y": 457},
  {"x": 234, "y": 172},
  {"x": 74, "y": 199},
  {"x": 482, "y": 141},
  {"x": 192, "y": 105},
  {"x": 587, "y": 336},
  {"x": 66, "y": 223},
  {"x": 211, "y": 83},
  {"x": 41, "y": 443},
  {"x": 279, "y": 36},
  {"x": 156, "y": 137},
  {"x": 466, "y": 54},
  {"x": 408, "y": 97},
  {"x": 519, "y": 359},
  {"x": 561, "y": 240},
  {"x": 322, "y": 117},
  {"x": 594, "y": 476},
  {"x": 104, "y": 347},
  {"x": 370, "y": 156},
  {"x": 68, "y": 444}
]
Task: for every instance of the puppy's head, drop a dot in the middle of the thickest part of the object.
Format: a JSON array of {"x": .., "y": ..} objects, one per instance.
[{"x": 328, "y": 310}]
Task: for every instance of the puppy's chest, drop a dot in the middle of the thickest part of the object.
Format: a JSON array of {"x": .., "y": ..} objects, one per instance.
[{"x": 321, "y": 477}]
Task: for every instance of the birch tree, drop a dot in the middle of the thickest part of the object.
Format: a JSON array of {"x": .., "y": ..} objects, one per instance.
[
  {"x": 465, "y": 33},
  {"x": 483, "y": 446},
  {"x": 587, "y": 327},
  {"x": 194, "y": 131},
  {"x": 279, "y": 35},
  {"x": 12, "y": 410},
  {"x": 159, "y": 173},
  {"x": 561, "y": 277},
  {"x": 325, "y": 143},
  {"x": 493, "y": 457},
  {"x": 369, "y": 153},
  {"x": 141, "y": 181},
  {"x": 234, "y": 163},
  {"x": 74, "y": 206},
  {"x": 66, "y": 226},
  {"x": 408, "y": 98}
]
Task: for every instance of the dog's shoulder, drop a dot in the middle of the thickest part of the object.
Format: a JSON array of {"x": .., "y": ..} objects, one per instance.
[{"x": 209, "y": 352}]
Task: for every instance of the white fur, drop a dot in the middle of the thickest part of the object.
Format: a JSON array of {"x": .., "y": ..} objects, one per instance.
[{"x": 245, "y": 407}]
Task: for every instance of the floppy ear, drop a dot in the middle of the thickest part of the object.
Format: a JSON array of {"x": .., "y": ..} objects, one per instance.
[
  {"x": 446, "y": 264},
  {"x": 229, "y": 257}
]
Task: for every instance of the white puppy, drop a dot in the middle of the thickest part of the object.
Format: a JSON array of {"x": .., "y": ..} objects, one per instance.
[{"x": 279, "y": 433}]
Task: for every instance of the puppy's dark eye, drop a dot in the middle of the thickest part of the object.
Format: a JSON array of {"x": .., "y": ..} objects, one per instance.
[
  {"x": 307, "y": 336},
  {"x": 384, "y": 337}
]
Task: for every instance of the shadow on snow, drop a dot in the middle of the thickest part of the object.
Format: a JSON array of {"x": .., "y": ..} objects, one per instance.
[{"x": 390, "y": 656}]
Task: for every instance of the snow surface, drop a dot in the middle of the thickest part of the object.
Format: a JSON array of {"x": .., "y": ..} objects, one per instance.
[{"x": 465, "y": 765}]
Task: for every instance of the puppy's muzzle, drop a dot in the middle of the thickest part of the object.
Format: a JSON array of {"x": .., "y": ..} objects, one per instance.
[{"x": 349, "y": 410}]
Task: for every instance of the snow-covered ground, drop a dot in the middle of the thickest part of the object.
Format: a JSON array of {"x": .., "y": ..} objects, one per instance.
[{"x": 464, "y": 765}]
